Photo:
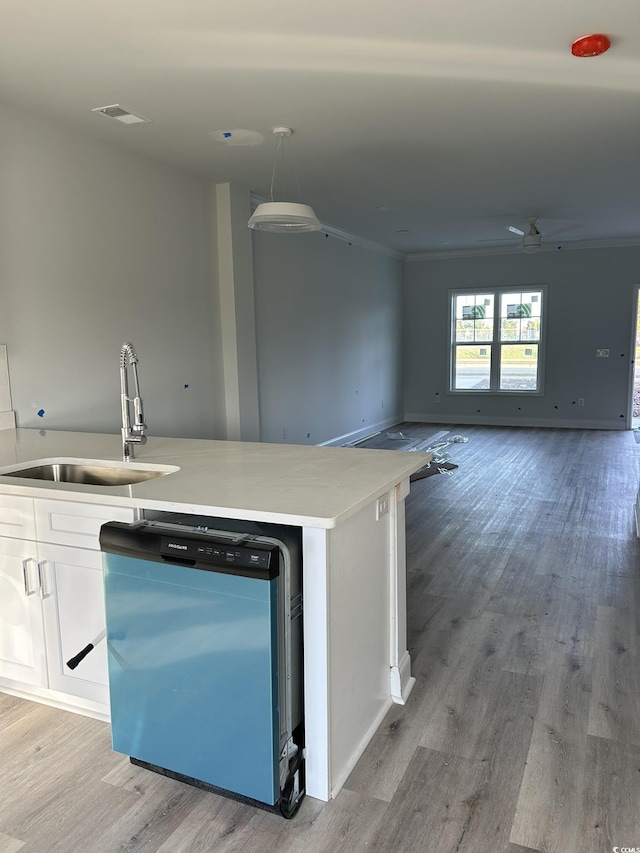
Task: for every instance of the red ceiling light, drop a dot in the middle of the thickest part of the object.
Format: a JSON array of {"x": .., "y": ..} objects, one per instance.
[{"x": 592, "y": 45}]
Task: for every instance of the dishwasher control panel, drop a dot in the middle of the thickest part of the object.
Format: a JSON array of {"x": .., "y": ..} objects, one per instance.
[{"x": 200, "y": 551}]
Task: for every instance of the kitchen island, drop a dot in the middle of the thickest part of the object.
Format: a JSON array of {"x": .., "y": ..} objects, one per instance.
[{"x": 350, "y": 506}]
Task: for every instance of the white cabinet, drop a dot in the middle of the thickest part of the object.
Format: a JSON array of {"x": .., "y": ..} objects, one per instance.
[
  {"x": 22, "y": 655},
  {"x": 73, "y": 611},
  {"x": 52, "y": 597}
]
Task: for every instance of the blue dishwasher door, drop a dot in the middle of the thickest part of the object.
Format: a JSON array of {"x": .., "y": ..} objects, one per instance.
[{"x": 193, "y": 659}]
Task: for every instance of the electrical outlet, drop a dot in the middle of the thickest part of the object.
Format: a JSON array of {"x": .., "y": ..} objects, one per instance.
[
  {"x": 437, "y": 398},
  {"x": 602, "y": 353},
  {"x": 382, "y": 506},
  {"x": 581, "y": 401},
  {"x": 284, "y": 433}
]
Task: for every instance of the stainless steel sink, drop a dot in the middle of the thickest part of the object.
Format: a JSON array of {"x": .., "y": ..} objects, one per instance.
[{"x": 88, "y": 473}]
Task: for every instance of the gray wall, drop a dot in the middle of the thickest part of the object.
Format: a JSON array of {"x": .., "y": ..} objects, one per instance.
[
  {"x": 329, "y": 338},
  {"x": 590, "y": 305},
  {"x": 99, "y": 246}
]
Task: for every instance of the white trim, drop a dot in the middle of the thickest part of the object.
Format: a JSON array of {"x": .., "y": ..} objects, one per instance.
[
  {"x": 54, "y": 699},
  {"x": 632, "y": 351},
  {"x": 496, "y": 343},
  {"x": 490, "y": 420},
  {"x": 362, "y": 243},
  {"x": 402, "y": 681},
  {"x": 346, "y": 237},
  {"x": 547, "y": 246},
  {"x": 364, "y": 432},
  {"x": 315, "y": 582}
]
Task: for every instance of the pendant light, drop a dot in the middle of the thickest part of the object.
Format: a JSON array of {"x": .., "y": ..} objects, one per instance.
[{"x": 283, "y": 217}]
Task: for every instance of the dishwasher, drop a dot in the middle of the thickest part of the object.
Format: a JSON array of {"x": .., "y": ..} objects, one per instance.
[{"x": 204, "y": 639}]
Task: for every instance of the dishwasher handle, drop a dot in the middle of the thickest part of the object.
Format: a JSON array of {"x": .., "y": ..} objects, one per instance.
[{"x": 73, "y": 662}]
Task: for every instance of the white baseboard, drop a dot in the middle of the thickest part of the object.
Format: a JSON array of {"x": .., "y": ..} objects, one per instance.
[
  {"x": 489, "y": 420},
  {"x": 44, "y": 696},
  {"x": 341, "y": 777},
  {"x": 364, "y": 432}
]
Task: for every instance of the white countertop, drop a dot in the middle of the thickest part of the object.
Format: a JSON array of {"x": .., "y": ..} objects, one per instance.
[{"x": 285, "y": 483}]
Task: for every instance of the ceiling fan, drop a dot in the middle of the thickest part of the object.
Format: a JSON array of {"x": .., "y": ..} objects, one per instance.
[{"x": 531, "y": 239}]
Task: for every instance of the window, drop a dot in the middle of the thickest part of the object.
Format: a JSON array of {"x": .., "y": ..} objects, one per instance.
[{"x": 496, "y": 341}]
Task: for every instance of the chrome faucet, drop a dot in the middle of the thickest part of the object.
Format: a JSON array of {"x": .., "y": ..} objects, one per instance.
[{"x": 132, "y": 433}]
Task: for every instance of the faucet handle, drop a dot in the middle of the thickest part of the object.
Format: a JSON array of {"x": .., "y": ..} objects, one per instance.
[{"x": 138, "y": 416}]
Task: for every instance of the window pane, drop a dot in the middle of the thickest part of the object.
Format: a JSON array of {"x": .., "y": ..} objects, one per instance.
[
  {"x": 519, "y": 367},
  {"x": 509, "y": 330},
  {"x": 472, "y": 368},
  {"x": 473, "y": 317},
  {"x": 464, "y": 330},
  {"x": 520, "y": 316}
]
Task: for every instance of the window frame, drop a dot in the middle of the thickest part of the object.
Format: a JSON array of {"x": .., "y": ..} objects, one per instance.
[{"x": 496, "y": 344}]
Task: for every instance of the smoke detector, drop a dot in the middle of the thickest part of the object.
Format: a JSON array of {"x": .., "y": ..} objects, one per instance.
[{"x": 120, "y": 114}]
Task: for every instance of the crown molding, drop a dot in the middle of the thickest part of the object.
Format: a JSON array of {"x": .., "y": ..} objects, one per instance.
[
  {"x": 469, "y": 251},
  {"x": 551, "y": 246}
]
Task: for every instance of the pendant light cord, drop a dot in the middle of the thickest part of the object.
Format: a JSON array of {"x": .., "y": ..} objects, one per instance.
[
  {"x": 279, "y": 148},
  {"x": 280, "y": 153}
]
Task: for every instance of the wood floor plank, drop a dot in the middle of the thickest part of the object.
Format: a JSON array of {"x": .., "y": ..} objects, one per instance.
[
  {"x": 220, "y": 824},
  {"x": 14, "y": 710},
  {"x": 346, "y": 825},
  {"x": 612, "y": 796},
  {"x": 517, "y": 848},
  {"x": 549, "y": 814},
  {"x": 10, "y": 845},
  {"x": 454, "y": 801},
  {"x": 523, "y": 573},
  {"x": 433, "y": 805},
  {"x": 504, "y": 744},
  {"x": 384, "y": 763},
  {"x": 456, "y": 721},
  {"x": 615, "y": 700}
]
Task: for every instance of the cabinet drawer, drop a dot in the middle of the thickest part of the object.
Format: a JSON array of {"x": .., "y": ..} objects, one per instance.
[
  {"x": 16, "y": 517},
  {"x": 77, "y": 524}
]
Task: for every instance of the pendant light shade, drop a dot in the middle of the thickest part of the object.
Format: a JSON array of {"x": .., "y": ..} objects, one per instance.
[{"x": 283, "y": 217}]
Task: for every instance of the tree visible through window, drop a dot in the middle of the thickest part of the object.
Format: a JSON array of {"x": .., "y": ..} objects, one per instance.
[{"x": 496, "y": 340}]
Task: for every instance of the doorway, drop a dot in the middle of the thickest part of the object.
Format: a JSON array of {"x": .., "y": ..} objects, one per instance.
[{"x": 635, "y": 391}]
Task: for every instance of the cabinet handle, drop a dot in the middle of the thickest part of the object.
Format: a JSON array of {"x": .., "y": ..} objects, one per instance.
[
  {"x": 25, "y": 574},
  {"x": 41, "y": 580}
]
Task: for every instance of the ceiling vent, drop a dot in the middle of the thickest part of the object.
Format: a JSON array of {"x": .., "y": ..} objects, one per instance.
[{"x": 120, "y": 114}]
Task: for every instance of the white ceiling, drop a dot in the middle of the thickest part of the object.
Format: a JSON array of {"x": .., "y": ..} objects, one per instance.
[{"x": 461, "y": 117}]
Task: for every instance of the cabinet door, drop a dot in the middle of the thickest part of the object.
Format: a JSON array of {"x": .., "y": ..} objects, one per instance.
[
  {"x": 73, "y": 607},
  {"x": 22, "y": 648}
]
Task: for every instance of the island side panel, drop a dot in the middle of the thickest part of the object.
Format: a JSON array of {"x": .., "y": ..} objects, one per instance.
[
  {"x": 316, "y": 661},
  {"x": 360, "y": 657},
  {"x": 401, "y": 679}
]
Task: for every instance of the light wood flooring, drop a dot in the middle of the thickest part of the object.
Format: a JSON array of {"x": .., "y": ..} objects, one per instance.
[{"x": 521, "y": 734}]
